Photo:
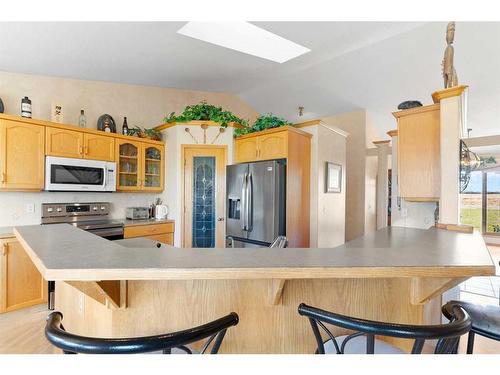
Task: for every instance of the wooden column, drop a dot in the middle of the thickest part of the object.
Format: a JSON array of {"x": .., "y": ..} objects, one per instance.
[
  {"x": 453, "y": 127},
  {"x": 382, "y": 182}
]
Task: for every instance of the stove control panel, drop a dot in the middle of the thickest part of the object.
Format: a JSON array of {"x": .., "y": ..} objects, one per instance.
[{"x": 61, "y": 210}]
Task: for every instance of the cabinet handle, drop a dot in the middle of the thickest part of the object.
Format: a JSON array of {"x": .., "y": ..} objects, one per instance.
[
  {"x": 81, "y": 150},
  {"x": 4, "y": 177},
  {"x": 5, "y": 247},
  {"x": 86, "y": 150}
]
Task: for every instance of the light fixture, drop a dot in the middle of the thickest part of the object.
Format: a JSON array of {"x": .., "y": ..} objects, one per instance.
[
  {"x": 469, "y": 161},
  {"x": 245, "y": 37}
]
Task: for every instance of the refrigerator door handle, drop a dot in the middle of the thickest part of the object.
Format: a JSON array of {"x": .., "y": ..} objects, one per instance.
[
  {"x": 244, "y": 203},
  {"x": 249, "y": 203}
]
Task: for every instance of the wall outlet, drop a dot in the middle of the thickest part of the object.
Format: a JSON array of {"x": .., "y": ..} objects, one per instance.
[{"x": 30, "y": 208}]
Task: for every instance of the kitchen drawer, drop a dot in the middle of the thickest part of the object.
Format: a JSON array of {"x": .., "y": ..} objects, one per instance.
[
  {"x": 148, "y": 230},
  {"x": 166, "y": 238}
]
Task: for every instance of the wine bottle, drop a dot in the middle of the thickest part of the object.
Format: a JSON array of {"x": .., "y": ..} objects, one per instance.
[
  {"x": 125, "y": 126},
  {"x": 82, "y": 120}
]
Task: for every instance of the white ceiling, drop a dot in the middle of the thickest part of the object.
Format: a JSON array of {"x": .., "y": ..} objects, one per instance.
[{"x": 352, "y": 65}]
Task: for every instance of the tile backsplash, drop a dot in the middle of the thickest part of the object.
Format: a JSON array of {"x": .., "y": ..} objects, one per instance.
[{"x": 15, "y": 207}]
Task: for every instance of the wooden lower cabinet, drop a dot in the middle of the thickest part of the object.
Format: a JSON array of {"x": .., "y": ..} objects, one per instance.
[
  {"x": 163, "y": 232},
  {"x": 167, "y": 238},
  {"x": 21, "y": 285}
]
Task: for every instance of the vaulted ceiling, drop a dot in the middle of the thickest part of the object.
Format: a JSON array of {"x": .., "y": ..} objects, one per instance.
[{"x": 352, "y": 65}]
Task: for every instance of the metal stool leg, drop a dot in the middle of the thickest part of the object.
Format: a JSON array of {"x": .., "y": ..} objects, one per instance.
[{"x": 470, "y": 342}]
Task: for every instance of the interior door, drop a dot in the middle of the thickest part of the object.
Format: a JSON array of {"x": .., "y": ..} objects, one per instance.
[{"x": 204, "y": 169}]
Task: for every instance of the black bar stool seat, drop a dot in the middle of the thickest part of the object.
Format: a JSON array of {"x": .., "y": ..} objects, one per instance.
[
  {"x": 485, "y": 320},
  {"x": 357, "y": 345}
]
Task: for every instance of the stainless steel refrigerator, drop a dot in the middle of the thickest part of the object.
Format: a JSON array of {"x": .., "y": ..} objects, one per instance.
[{"x": 256, "y": 203}]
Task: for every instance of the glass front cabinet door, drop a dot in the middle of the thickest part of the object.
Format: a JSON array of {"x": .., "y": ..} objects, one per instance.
[
  {"x": 140, "y": 166},
  {"x": 128, "y": 162},
  {"x": 153, "y": 166}
]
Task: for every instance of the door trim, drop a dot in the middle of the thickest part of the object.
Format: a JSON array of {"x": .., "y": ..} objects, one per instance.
[{"x": 184, "y": 148}]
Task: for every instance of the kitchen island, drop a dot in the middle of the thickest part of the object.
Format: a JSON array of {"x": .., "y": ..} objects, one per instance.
[{"x": 108, "y": 290}]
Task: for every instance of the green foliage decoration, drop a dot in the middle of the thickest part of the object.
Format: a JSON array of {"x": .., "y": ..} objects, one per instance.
[
  {"x": 206, "y": 112},
  {"x": 263, "y": 122}
]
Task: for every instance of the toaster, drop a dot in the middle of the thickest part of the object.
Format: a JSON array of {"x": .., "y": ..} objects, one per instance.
[{"x": 136, "y": 213}]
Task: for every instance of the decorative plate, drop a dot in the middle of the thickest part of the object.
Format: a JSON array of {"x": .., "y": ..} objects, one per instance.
[
  {"x": 409, "y": 104},
  {"x": 100, "y": 123}
]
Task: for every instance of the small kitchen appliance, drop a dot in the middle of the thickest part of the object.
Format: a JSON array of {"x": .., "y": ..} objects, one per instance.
[
  {"x": 137, "y": 213},
  {"x": 161, "y": 211},
  {"x": 70, "y": 174}
]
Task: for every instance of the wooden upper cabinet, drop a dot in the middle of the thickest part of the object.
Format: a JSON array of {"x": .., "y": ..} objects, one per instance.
[
  {"x": 266, "y": 145},
  {"x": 129, "y": 166},
  {"x": 21, "y": 284},
  {"x": 419, "y": 153},
  {"x": 273, "y": 146},
  {"x": 99, "y": 147},
  {"x": 21, "y": 156},
  {"x": 246, "y": 149},
  {"x": 64, "y": 143},
  {"x": 152, "y": 166}
]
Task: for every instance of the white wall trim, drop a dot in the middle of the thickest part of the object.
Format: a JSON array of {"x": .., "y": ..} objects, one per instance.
[{"x": 334, "y": 129}]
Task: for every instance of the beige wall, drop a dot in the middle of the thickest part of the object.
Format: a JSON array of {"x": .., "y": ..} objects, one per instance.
[
  {"x": 327, "y": 214},
  {"x": 331, "y": 206},
  {"x": 355, "y": 124},
  {"x": 143, "y": 105}
]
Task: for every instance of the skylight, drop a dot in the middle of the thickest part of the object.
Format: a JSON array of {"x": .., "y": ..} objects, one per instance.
[{"x": 245, "y": 37}]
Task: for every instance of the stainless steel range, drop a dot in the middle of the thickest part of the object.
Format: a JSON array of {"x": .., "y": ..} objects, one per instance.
[{"x": 92, "y": 217}]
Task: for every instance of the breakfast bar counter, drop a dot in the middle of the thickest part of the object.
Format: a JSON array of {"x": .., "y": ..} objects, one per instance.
[{"x": 106, "y": 289}]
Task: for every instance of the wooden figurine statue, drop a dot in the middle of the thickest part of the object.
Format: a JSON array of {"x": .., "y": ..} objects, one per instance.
[{"x": 449, "y": 73}]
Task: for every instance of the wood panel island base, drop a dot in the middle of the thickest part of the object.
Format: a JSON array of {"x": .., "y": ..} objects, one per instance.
[{"x": 394, "y": 274}]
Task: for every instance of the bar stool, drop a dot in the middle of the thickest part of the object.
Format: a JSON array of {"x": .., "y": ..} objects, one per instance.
[
  {"x": 485, "y": 320},
  {"x": 364, "y": 341},
  {"x": 72, "y": 344}
]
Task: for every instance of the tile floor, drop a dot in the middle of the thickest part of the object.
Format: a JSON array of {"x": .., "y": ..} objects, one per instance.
[{"x": 484, "y": 290}]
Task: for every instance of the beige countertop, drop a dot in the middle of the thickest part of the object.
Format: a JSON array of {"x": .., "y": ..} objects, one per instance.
[
  {"x": 131, "y": 223},
  {"x": 63, "y": 252}
]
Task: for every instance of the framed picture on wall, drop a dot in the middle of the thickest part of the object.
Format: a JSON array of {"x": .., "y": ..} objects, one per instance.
[{"x": 333, "y": 178}]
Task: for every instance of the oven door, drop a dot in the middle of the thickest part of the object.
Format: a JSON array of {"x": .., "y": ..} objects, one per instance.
[{"x": 67, "y": 174}]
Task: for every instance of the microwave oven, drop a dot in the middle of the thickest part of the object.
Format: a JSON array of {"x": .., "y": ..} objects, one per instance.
[{"x": 68, "y": 174}]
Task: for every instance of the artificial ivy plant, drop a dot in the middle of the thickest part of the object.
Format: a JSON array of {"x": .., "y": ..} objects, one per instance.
[
  {"x": 263, "y": 122},
  {"x": 206, "y": 112}
]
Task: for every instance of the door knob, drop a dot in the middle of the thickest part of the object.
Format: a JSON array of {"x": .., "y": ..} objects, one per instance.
[{"x": 220, "y": 219}]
